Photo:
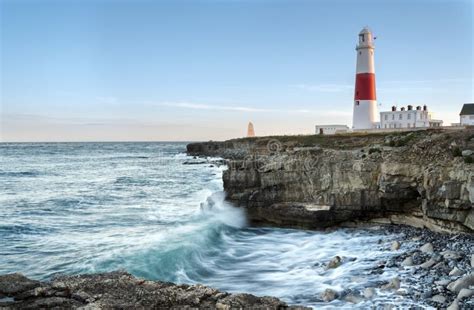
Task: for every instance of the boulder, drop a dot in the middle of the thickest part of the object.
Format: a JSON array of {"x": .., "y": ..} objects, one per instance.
[
  {"x": 15, "y": 283},
  {"x": 466, "y": 153},
  {"x": 464, "y": 282}
]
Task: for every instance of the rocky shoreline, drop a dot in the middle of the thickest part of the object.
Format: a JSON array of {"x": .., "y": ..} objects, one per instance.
[
  {"x": 120, "y": 290},
  {"x": 434, "y": 268},
  {"x": 431, "y": 269}
]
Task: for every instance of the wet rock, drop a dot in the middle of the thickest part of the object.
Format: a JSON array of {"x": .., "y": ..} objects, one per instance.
[
  {"x": 119, "y": 290},
  {"x": 453, "y": 306},
  {"x": 427, "y": 248},
  {"x": 427, "y": 294},
  {"x": 451, "y": 255},
  {"x": 439, "y": 299},
  {"x": 463, "y": 282},
  {"x": 329, "y": 295},
  {"x": 353, "y": 298},
  {"x": 465, "y": 293},
  {"x": 456, "y": 272},
  {"x": 369, "y": 292},
  {"x": 15, "y": 283},
  {"x": 428, "y": 264},
  {"x": 466, "y": 153},
  {"x": 407, "y": 262},
  {"x": 394, "y": 284},
  {"x": 443, "y": 282},
  {"x": 395, "y": 246},
  {"x": 334, "y": 263},
  {"x": 472, "y": 260}
]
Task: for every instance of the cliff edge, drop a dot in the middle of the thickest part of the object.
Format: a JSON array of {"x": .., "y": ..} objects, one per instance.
[{"x": 419, "y": 178}]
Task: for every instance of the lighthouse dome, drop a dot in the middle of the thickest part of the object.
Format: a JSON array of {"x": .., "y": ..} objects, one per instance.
[{"x": 365, "y": 30}]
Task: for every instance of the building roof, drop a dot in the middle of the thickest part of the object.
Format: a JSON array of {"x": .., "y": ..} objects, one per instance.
[
  {"x": 365, "y": 30},
  {"x": 467, "y": 109}
]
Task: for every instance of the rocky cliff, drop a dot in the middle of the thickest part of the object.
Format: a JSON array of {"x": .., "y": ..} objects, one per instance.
[{"x": 420, "y": 178}]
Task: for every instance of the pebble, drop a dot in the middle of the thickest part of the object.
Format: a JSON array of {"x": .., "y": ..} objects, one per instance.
[
  {"x": 369, "y": 292},
  {"x": 334, "y": 263},
  {"x": 394, "y": 284},
  {"x": 354, "y": 299},
  {"x": 428, "y": 264},
  {"x": 427, "y": 248},
  {"x": 443, "y": 282},
  {"x": 451, "y": 255},
  {"x": 456, "y": 272},
  {"x": 408, "y": 261},
  {"x": 329, "y": 295},
  {"x": 439, "y": 299},
  {"x": 465, "y": 293},
  {"x": 453, "y": 306},
  {"x": 395, "y": 245}
]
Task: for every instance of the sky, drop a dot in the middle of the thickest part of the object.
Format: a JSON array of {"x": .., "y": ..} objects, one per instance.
[{"x": 201, "y": 70}]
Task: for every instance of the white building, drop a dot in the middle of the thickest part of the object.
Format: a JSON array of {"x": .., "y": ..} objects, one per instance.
[
  {"x": 466, "y": 117},
  {"x": 408, "y": 118},
  {"x": 331, "y": 129}
]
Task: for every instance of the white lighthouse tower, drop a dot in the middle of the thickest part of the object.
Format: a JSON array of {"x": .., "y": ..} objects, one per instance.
[{"x": 365, "y": 104}]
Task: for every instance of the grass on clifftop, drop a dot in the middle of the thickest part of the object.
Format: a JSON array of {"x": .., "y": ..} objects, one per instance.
[{"x": 342, "y": 141}]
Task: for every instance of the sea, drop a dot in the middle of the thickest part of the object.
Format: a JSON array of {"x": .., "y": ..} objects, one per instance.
[{"x": 74, "y": 208}]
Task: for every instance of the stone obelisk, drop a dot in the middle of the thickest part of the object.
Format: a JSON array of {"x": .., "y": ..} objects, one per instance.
[{"x": 250, "y": 131}]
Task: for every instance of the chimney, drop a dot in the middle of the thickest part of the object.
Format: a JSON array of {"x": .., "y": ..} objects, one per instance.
[
  {"x": 425, "y": 108},
  {"x": 418, "y": 108},
  {"x": 394, "y": 108},
  {"x": 410, "y": 107},
  {"x": 402, "y": 109}
]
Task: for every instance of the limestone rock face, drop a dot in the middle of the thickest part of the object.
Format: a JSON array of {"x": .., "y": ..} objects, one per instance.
[
  {"x": 317, "y": 182},
  {"x": 120, "y": 290}
]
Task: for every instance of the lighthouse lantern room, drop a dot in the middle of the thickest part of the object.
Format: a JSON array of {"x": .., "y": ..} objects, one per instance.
[{"x": 365, "y": 104}]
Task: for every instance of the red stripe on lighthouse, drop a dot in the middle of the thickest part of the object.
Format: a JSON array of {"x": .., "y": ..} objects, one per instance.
[{"x": 365, "y": 86}]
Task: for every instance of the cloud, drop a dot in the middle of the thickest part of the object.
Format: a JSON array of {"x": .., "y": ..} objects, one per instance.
[
  {"x": 197, "y": 106},
  {"x": 325, "y": 88}
]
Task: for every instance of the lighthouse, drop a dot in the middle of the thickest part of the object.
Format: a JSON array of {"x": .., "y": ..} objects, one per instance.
[{"x": 365, "y": 104}]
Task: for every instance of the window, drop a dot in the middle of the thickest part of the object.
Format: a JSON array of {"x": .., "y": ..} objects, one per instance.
[
  {"x": 361, "y": 37},
  {"x": 400, "y": 116},
  {"x": 409, "y": 116},
  {"x": 357, "y": 102},
  {"x": 393, "y": 116},
  {"x": 386, "y": 117}
]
